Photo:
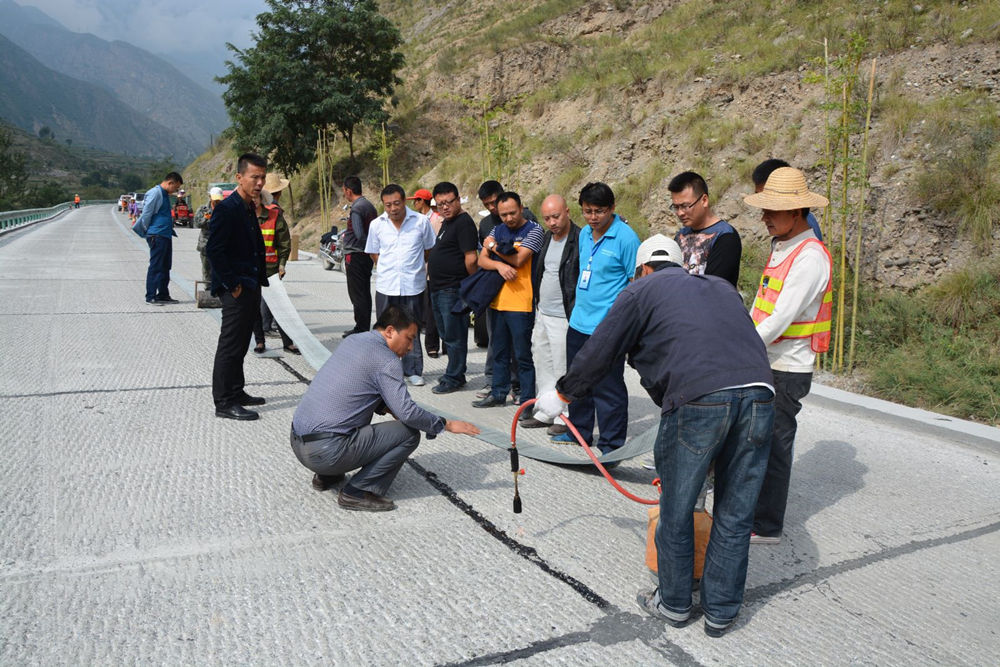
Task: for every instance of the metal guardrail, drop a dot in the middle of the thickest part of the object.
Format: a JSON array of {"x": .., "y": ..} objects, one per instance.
[{"x": 11, "y": 219}]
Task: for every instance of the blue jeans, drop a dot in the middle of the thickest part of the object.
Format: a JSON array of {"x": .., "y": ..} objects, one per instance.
[
  {"x": 512, "y": 332},
  {"x": 160, "y": 260},
  {"x": 731, "y": 427},
  {"x": 454, "y": 331},
  {"x": 608, "y": 399},
  {"x": 413, "y": 362}
]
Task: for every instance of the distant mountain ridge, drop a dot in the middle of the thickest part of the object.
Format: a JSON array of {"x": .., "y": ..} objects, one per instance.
[
  {"x": 147, "y": 83},
  {"x": 35, "y": 96}
]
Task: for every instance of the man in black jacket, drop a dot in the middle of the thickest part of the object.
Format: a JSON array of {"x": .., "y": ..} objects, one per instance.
[
  {"x": 553, "y": 276},
  {"x": 703, "y": 362},
  {"x": 235, "y": 249}
]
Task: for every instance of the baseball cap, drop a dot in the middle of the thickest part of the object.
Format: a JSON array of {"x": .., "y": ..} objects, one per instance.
[
  {"x": 422, "y": 193},
  {"x": 216, "y": 194},
  {"x": 658, "y": 248}
]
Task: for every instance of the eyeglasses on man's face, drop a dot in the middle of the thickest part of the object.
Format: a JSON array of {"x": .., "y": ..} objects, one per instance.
[{"x": 684, "y": 208}]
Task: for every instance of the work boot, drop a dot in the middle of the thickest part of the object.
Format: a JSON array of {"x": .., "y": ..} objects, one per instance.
[
  {"x": 324, "y": 482},
  {"x": 366, "y": 502}
]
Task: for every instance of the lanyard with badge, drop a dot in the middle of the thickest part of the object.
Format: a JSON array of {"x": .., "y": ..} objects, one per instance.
[{"x": 585, "y": 274}]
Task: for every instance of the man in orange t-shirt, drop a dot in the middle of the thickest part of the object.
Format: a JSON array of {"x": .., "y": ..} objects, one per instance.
[{"x": 510, "y": 249}]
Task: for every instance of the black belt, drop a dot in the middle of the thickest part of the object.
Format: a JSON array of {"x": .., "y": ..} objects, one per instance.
[{"x": 310, "y": 437}]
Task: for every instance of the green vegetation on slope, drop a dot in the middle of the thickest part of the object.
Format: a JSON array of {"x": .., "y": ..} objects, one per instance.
[{"x": 937, "y": 349}]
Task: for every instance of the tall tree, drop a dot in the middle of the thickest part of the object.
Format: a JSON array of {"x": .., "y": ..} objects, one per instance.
[{"x": 314, "y": 64}]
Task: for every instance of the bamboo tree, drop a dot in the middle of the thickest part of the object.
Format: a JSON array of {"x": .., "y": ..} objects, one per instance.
[
  {"x": 860, "y": 216},
  {"x": 385, "y": 157},
  {"x": 828, "y": 157},
  {"x": 838, "y": 355},
  {"x": 320, "y": 185},
  {"x": 383, "y": 151},
  {"x": 827, "y": 222}
]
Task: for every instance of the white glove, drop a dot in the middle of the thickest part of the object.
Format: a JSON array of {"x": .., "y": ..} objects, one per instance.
[{"x": 549, "y": 405}]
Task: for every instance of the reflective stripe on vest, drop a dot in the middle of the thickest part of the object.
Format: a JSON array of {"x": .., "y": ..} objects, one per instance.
[
  {"x": 267, "y": 231},
  {"x": 773, "y": 280}
]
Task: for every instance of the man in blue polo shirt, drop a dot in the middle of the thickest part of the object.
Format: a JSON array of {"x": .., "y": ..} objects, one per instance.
[{"x": 607, "y": 263}]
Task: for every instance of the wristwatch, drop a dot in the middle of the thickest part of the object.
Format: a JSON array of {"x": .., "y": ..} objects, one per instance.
[{"x": 492, "y": 245}]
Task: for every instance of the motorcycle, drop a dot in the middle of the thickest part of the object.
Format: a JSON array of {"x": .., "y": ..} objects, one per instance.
[
  {"x": 331, "y": 251},
  {"x": 182, "y": 215}
]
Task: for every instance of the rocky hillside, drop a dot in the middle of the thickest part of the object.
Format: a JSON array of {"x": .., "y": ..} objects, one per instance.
[{"x": 631, "y": 92}]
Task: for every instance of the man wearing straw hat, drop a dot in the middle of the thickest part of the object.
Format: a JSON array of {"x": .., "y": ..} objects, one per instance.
[
  {"x": 277, "y": 249},
  {"x": 792, "y": 313}
]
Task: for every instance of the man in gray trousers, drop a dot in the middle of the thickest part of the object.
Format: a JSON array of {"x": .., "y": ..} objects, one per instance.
[{"x": 332, "y": 432}]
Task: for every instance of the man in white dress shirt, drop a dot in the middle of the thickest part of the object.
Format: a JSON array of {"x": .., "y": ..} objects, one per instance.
[{"x": 398, "y": 241}]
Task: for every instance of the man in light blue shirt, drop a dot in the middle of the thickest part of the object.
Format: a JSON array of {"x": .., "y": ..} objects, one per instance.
[
  {"x": 156, "y": 225},
  {"x": 399, "y": 241},
  {"x": 607, "y": 263}
]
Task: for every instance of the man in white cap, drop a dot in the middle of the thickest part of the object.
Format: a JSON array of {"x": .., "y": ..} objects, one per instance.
[
  {"x": 201, "y": 218},
  {"x": 792, "y": 313},
  {"x": 695, "y": 348}
]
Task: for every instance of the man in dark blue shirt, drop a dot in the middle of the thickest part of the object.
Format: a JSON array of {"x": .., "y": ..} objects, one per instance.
[{"x": 701, "y": 360}]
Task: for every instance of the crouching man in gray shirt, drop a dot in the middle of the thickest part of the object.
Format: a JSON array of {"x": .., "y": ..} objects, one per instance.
[{"x": 332, "y": 432}]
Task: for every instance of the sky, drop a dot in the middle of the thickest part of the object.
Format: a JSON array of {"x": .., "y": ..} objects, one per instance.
[{"x": 191, "y": 33}]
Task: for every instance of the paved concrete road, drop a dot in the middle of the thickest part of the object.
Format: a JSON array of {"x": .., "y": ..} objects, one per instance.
[{"x": 136, "y": 527}]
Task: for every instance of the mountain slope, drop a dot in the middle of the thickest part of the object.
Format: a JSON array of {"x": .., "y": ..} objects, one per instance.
[
  {"x": 141, "y": 80},
  {"x": 36, "y": 96}
]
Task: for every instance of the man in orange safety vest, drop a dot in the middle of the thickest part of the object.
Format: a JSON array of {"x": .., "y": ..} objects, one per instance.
[
  {"x": 277, "y": 249},
  {"x": 792, "y": 313}
]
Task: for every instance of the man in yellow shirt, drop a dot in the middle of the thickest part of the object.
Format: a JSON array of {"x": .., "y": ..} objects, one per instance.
[{"x": 510, "y": 249}]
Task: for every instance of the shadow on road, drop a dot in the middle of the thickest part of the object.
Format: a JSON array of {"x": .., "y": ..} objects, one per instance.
[{"x": 823, "y": 476}]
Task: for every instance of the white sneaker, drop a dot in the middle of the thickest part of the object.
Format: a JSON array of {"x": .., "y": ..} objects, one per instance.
[
  {"x": 485, "y": 391},
  {"x": 648, "y": 464},
  {"x": 415, "y": 380}
]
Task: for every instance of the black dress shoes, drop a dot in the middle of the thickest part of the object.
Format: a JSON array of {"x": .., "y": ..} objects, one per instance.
[
  {"x": 324, "y": 482},
  {"x": 366, "y": 502},
  {"x": 247, "y": 399},
  {"x": 490, "y": 401},
  {"x": 236, "y": 412}
]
